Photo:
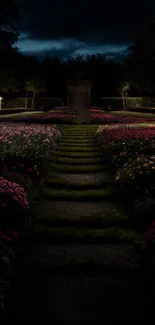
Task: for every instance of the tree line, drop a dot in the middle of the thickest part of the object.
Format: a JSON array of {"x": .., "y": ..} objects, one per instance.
[{"x": 20, "y": 74}]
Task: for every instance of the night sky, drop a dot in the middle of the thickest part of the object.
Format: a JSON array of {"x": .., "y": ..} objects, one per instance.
[{"x": 66, "y": 28}]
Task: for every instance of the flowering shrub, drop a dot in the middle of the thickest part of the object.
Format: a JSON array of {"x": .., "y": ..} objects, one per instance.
[
  {"x": 13, "y": 205},
  {"x": 25, "y": 182},
  {"x": 137, "y": 181},
  {"x": 130, "y": 150},
  {"x": 122, "y": 143},
  {"x": 140, "y": 169},
  {"x": 24, "y": 148},
  {"x": 118, "y": 133}
]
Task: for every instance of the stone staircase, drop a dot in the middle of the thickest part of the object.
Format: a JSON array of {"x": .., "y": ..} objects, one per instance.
[
  {"x": 79, "y": 266},
  {"x": 80, "y": 204}
]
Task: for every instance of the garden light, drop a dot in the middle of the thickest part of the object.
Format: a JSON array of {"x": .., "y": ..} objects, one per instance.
[{"x": 0, "y": 102}]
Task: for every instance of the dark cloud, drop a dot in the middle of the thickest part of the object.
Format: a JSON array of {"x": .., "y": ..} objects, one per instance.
[{"x": 92, "y": 22}]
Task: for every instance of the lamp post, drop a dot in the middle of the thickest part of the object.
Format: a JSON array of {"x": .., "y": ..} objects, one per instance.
[{"x": 0, "y": 103}]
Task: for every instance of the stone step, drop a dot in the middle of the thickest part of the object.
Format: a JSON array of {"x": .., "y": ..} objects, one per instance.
[
  {"x": 77, "y": 148},
  {"x": 85, "y": 142},
  {"x": 78, "y": 161},
  {"x": 93, "y": 154},
  {"x": 73, "y": 185},
  {"x": 76, "y": 255},
  {"x": 85, "y": 214},
  {"x": 64, "y": 168},
  {"x": 78, "y": 144},
  {"x": 78, "y": 195},
  {"x": 79, "y": 136},
  {"x": 71, "y": 235},
  {"x": 77, "y": 127},
  {"x": 79, "y": 181}
]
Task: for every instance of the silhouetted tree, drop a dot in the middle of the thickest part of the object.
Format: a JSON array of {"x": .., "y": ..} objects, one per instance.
[
  {"x": 123, "y": 90},
  {"x": 140, "y": 64}
]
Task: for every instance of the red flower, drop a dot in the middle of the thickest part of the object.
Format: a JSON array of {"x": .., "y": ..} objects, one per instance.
[
  {"x": 144, "y": 246},
  {"x": 153, "y": 224},
  {"x": 30, "y": 170}
]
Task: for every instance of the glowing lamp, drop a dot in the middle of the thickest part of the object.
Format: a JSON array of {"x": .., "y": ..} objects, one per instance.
[{"x": 0, "y": 102}]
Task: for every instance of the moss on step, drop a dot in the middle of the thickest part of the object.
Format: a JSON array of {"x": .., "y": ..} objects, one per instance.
[
  {"x": 64, "y": 194},
  {"x": 79, "y": 135},
  {"x": 78, "y": 168},
  {"x": 50, "y": 181},
  {"x": 88, "y": 235},
  {"x": 86, "y": 214},
  {"x": 77, "y": 144},
  {"x": 78, "y": 154},
  {"x": 76, "y": 137},
  {"x": 77, "y": 141},
  {"x": 78, "y": 148},
  {"x": 78, "y": 161}
]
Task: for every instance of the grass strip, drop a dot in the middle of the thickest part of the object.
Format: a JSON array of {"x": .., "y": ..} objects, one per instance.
[{"x": 129, "y": 113}]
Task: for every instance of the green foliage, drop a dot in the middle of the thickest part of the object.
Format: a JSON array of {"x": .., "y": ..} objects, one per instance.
[
  {"x": 124, "y": 88},
  {"x": 33, "y": 86}
]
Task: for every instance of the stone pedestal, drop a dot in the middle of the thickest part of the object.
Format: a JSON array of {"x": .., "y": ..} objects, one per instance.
[{"x": 79, "y": 99}]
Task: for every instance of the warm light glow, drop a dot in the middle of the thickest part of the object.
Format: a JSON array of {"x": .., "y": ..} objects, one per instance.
[{"x": 0, "y": 102}]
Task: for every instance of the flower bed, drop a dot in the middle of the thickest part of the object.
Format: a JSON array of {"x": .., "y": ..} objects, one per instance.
[
  {"x": 23, "y": 151},
  {"x": 130, "y": 150},
  {"x": 66, "y": 116},
  {"x": 24, "y": 148}
]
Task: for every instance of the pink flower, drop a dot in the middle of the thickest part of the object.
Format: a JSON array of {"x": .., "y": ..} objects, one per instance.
[{"x": 30, "y": 170}]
